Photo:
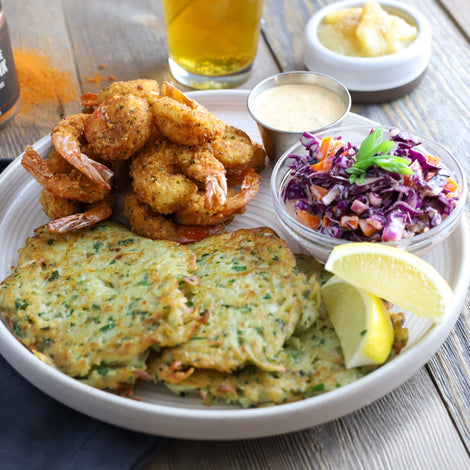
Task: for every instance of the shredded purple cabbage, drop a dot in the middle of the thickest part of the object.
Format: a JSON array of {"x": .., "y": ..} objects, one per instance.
[{"x": 391, "y": 206}]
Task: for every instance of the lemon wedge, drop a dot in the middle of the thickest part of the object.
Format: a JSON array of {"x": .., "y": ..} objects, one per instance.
[
  {"x": 361, "y": 322},
  {"x": 393, "y": 274}
]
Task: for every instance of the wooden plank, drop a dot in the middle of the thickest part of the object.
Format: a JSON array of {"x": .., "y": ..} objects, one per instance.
[
  {"x": 128, "y": 38},
  {"x": 459, "y": 10},
  {"x": 450, "y": 369},
  {"x": 118, "y": 36},
  {"x": 409, "y": 428},
  {"x": 284, "y": 29}
]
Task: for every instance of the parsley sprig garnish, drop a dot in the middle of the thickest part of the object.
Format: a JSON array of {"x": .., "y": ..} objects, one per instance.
[{"x": 375, "y": 151}]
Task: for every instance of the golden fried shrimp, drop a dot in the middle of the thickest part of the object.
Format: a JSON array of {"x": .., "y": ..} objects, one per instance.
[
  {"x": 96, "y": 213},
  {"x": 119, "y": 127},
  {"x": 57, "y": 163},
  {"x": 195, "y": 212},
  {"x": 66, "y": 137},
  {"x": 150, "y": 224},
  {"x": 74, "y": 185},
  {"x": 198, "y": 162},
  {"x": 256, "y": 162},
  {"x": 143, "y": 88},
  {"x": 237, "y": 152},
  {"x": 157, "y": 181},
  {"x": 183, "y": 120},
  {"x": 56, "y": 207}
]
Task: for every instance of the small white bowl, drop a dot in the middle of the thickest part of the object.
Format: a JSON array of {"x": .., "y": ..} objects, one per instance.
[
  {"x": 320, "y": 245},
  {"x": 372, "y": 79}
]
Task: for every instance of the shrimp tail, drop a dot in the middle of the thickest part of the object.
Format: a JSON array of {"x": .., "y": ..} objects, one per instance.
[
  {"x": 70, "y": 151},
  {"x": 36, "y": 166},
  {"x": 72, "y": 222},
  {"x": 194, "y": 233},
  {"x": 171, "y": 91},
  {"x": 248, "y": 190},
  {"x": 216, "y": 191}
]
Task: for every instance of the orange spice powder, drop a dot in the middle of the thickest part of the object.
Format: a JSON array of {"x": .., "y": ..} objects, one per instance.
[
  {"x": 39, "y": 82},
  {"x": 97, "y": 77}
]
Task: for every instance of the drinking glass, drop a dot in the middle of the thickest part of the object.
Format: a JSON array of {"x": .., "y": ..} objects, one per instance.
[{"x": 212, "y": 43}]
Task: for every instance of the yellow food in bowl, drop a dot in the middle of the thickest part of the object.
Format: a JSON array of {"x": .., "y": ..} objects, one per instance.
[{"x": 369, "y": 31}]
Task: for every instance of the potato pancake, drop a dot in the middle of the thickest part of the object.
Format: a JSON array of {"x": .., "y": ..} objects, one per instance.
[
  {"x": 91, "y": 303},
  {"x": 313, "y": 362},
  {"x": 256, "y": 299}
]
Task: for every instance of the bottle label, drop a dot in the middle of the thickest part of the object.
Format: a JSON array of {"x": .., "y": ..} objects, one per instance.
[{"x": 9, "y": 86}]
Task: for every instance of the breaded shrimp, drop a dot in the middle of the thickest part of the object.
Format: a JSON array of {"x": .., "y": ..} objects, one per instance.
[
  {"x": 237, "y": 152},
  {"x": 150, "y": 224},
  {"x": 195, "y": 212},
  {"x": 183, "y": 120},
  {"x": 198, "y": 162},
  {"x": 143, "y": 88},
  {"x": 119, "y": 127},
  {"x": 56, "y": 207},
  {"x": 74, "y": 185},
  {"x": 67, "y": 138},
  {"x": 96, "y": 213},
  {"x": 156, "y": 179},
  {"x": 57, "y": 163}
]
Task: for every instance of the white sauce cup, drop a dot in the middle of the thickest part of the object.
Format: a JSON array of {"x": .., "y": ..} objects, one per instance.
[{"x": 277, "y": 141}]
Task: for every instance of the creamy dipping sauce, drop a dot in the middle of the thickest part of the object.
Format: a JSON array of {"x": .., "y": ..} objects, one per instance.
[{"x": 298, "y": 107}]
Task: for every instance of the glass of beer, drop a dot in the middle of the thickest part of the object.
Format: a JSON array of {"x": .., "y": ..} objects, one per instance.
[{"x": 212, "y": 43}]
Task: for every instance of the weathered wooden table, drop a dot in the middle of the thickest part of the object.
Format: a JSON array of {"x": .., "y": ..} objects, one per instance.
[{"x": 425, "y": 423}]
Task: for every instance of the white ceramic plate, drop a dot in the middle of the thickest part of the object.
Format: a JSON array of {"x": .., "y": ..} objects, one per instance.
[{"x": 155, "y": 410}]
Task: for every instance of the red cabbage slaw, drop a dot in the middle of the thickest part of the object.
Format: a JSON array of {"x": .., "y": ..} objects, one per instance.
[{"x": 383, "y": 206}]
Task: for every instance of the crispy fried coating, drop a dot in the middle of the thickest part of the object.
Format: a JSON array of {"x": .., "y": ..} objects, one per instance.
[
  {"x": 183, "y": 120},
  {"x": 157, "y": 180},
  {"x": 195, "y": 211},
  {"x": 237, "y": 152},
  {"x": 119, "y": 127},
  {"x": 68, "y": 139},
  {"x": 56, "y": 207},
  {"x": 143, "y": 88},
  {"x": 151, "y": 224},
  {"x": 72, "y": 185}
]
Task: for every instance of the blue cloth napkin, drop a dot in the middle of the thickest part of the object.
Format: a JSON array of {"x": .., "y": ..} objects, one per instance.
[
  {"x": 4, "y": 162},
  {"x": 39, "y": 433}
]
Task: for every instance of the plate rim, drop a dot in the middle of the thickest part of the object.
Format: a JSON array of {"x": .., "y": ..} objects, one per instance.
[{"x": 234, "y": 423}]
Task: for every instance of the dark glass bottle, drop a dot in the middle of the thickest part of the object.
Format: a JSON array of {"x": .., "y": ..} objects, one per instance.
[{"x": 9, "y": 86}]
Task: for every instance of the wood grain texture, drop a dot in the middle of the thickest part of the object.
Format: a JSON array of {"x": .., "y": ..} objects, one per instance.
[
  {"x": 459, "y": 11},
  {"x": 402, "y": 430},
  {"x": 450, "y": 370}
]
